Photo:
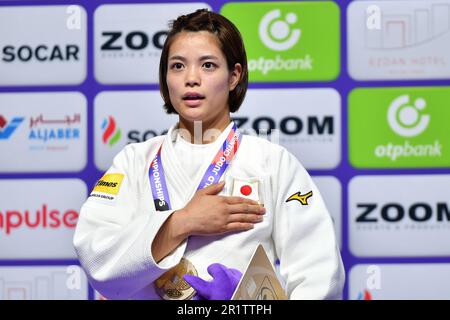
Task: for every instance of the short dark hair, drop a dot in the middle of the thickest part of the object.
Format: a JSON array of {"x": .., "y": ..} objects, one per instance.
[{"x": 231, "y": 45}]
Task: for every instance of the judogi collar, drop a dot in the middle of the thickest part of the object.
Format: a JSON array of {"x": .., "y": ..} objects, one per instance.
[{"x": 214, "y": 172}]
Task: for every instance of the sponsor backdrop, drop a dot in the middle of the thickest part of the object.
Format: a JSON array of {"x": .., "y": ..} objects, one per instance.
[{"x": 358, "y": 90}]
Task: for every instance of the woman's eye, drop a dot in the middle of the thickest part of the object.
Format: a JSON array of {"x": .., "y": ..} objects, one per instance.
[
  {"x": 209, "y": 65},
  {"x": 177, "y": 66}
]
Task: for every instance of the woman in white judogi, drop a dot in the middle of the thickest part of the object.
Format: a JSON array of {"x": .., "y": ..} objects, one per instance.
[{"x": 177, "y": 204}]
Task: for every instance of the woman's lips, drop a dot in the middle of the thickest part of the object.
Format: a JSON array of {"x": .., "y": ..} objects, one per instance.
[{"x": 193, "y": 101}]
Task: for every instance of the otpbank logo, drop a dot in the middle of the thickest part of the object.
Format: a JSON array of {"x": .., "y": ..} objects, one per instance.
[
  {"x": 399, "y": 127},
  {"x": 406, "y": 118},
  {"x": 8, "y": 128},
  {"x": 111, "y": 133},
  {"x": 288, "y": 41}
]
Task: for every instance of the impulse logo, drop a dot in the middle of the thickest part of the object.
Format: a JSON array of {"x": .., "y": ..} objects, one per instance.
[
  {"x": 41, "y": 218},
  {"x": 6, "y": 130},
  {"x": 111, "y": 133}
]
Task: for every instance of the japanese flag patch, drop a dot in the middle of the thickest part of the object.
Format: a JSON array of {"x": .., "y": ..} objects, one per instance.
[{"x": 247, "y": 188}]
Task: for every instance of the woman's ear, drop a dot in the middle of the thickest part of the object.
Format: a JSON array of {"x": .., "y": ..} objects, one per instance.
[{"x": 235, "y": 76}]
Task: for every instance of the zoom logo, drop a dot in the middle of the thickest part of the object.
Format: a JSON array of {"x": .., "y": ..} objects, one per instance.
[
  {"x": 289, "y": 125},
  {"x": 405, "y": 118},
  {"x": 403, "y": 215},
  {"x": 396, "y": 212},
  {"x": 136, "y": 40},
  {"x": 276, "y": 33}
]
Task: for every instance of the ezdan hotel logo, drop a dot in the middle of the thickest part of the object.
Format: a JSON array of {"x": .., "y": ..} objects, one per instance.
[
  {"x": 399, "y": 39},
  {"x": 43, "y": 282},
  {"x": 111, "y": 133},
  {"x": 400, "y": 281},
  {"x": 399, "y": 127},
  {"x": 287, "y": 41},
  {"x": 7, "y": 129}
]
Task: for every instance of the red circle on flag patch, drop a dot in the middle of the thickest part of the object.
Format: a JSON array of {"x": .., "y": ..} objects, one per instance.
[{"x": 246, "y": 190}]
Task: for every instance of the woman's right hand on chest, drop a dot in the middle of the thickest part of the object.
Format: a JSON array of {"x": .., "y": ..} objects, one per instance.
[{"x": 210, "y": 214}]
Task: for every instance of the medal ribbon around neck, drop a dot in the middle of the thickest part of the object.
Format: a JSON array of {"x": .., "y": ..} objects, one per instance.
[
  {"x": 171, "y": 285},
  {"x": 212, "y": 175}
]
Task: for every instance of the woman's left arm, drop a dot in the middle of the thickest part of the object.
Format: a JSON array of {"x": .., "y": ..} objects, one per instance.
[{"x": 304, "y": 237}]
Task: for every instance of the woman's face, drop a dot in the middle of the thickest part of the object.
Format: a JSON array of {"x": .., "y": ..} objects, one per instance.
[{"x": 198, "y": 78}]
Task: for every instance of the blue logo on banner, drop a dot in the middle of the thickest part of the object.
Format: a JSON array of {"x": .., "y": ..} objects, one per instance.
[{"x": 6, "y": 130}]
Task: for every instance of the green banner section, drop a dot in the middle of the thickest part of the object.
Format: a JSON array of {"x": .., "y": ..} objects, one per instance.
[
  {"x": 399, "y": 127},
  {"x": 289, "y": 41}
]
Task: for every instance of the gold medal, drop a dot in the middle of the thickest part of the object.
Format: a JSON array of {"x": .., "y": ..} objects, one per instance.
[{"x": 172, "y": 286}]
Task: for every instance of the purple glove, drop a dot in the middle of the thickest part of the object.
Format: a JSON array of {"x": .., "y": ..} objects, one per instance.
[{"x": 221, "y": 287}]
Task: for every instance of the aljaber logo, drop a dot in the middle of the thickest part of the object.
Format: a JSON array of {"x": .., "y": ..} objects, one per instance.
[
  {"x": 276, "y": 33},
  {"x": 6, "y": 130},
  {"x": 51, "y": 130},
  {"x": 111, "y": 133},
  {"x": 405, "y": 119}
]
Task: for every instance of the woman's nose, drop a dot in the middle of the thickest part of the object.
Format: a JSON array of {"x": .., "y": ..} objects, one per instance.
[{"x": 192, "y": 77}]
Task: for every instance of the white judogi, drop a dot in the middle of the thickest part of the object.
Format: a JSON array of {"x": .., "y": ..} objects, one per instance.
[{"x": 114, "y": 234}]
